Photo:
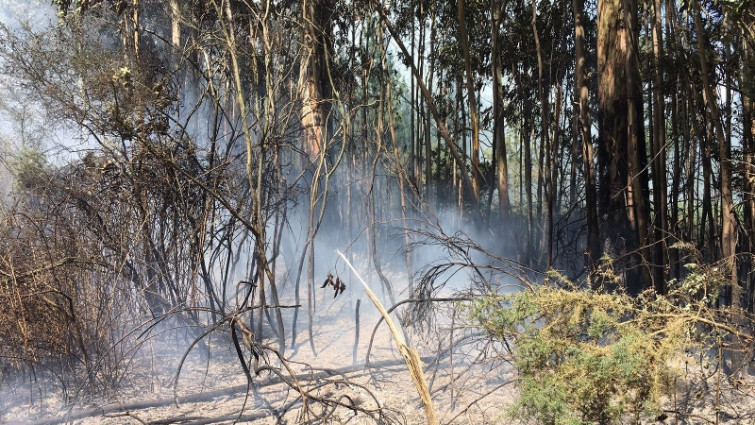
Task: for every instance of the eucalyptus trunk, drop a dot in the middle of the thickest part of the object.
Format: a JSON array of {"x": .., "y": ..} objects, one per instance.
[
  {"x": 499, "y": 139},
  {"x": 728, "y": 225},
  {"x": 593, "y": 251},
  {"x": 471, "y": 95},
  {"x": 620, "y": 135},
  {"x": 660, "y": 254},
  {"x": 748, "y": 142}
]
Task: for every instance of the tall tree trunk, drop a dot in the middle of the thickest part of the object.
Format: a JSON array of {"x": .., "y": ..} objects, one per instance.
[
  {"x": 421, "y": 108},
  {"x": 436, "y": 157},
  {"x": 691, "y": 168},
  {"x": 706, "y": 236},
  {"x": 463, "y": 129},
  {"x": 135, "y": 19},
  {"x": 315, "y": 84},
  {"x": 428, "y": 127},
  {"x": 621, "y": 193},
  {"x": 638, "y": 176},
  {"x": 471, "y": 94},
  {"x": 612, "y": 146},
  {"x": 551, "y": 176},
  {"x": 401, "y": 177},
  {"x": 528, "y": 134},
  {"x": 175, "y": 31},
  {"x": 544, "y": 175},
  {"x": 373, "y": 185},
  {"x": 461, "y": 134},
  {"x": 593, "y": 250},
  {"x": 574, "y": 150},
  {"x": 499, "y": 139},
  {"x": 414, "y": 94},
  {"x": 675, "y": 211},
  {"x": 748, "y": 142},
  {"x": 316, "y": 93},
  {"x": 728, "y": 229},
  {"x": 660, "y": 255}
]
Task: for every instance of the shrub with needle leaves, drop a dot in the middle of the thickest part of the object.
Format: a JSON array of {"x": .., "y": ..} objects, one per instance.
[{"x": 585, "y": 357}]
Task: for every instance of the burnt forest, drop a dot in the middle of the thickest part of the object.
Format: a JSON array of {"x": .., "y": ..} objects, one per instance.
[{"x": 377, "y": 212}]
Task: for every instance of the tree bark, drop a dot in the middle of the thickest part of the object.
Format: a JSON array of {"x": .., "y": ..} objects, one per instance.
[
  {"x": 175, "y": 32},
  {"x": 428, "y": 132},
  {"x": 748, "y": 174},
  {"x": 315, "y": 84},
  {"x": 728, "y": 229},
  {"x": 593, "y": 251},
  {"x": 471, "y": 95},
  {"x": 544, "y": 175},
  {"x": 613, "y": 111},
  {"x": 621, "y": 194},
  {"x": 401, "y": 176},
  {"x": 660, "y": 255},
  {"x": 499, "y": 139}
]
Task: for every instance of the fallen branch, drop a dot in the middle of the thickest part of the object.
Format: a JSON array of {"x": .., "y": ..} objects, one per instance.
[
  {"x": 75, "y": 415},
  {"x": 410, "y": 355}
]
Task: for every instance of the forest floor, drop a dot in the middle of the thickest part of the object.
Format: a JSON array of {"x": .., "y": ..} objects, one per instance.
[
  {"x": 468, "y": 385},
  {"x": 472, "y": 383}
]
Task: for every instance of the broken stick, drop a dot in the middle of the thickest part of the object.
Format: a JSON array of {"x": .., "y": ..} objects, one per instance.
[{"x": 410, "y": 355}]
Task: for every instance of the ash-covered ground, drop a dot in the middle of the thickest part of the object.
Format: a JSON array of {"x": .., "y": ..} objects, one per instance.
[{"x": 468, "y": 380}]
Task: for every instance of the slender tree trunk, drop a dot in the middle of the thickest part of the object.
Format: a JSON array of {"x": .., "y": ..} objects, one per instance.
[
  {"x": 728, "y": 235},
  {"x": 691, "y": 169},
  {"x": 638, "y": 180},
  {"x": 464, "y": 144},
  {"x": 543, "y": 163},
  {"x": 593, "y": 250},
  {"x": 175, "y": 33},
  {"x": 471, "y": 94},
  {"x": 675, "y": 210},
  {"x": 551, "y": 179},
  {"x": 413, "y": 110},
  {"x": 367, "y": 65},
  {"x": 748, "y": 142},
  {"x": 373, "y": 186},
  {"x": 422, "y": 120},
  {"x": 706, "y": 242},
  {"x": 436, "y": 157},
  {"x": 520, "y": 137},
  {"x": 428, "y": 131},
  {"x": 499, "y": 139},
  {"x": 575, "y": 148},
  {"x": 135, "y": 19},
  {"x": 660, "y": 256},
  {"x": 433, "y": 110},
  {"x": 401, "y": 177},
  {"x": 529, "y": 134}
]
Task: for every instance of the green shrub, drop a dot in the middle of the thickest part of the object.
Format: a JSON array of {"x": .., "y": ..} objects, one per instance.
[{"x": 585, "y": 357}]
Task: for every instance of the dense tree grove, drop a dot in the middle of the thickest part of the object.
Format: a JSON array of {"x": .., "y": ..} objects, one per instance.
[{"x": 212, "y": 154}]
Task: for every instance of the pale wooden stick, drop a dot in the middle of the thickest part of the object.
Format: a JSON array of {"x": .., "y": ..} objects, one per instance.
[{"x": 410, "y": 355}]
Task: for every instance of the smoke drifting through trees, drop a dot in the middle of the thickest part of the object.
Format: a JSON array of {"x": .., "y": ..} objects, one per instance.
[{"x": 232, "y": 146}]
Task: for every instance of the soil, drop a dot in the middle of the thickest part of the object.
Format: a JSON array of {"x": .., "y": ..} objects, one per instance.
[
  {"x": 470, "y": 381},
  {"x": 468, "y": 384}
]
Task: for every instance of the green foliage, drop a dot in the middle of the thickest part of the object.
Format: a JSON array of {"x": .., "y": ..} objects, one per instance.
[{"x": 585, "y": 357}]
